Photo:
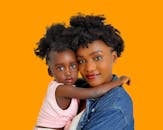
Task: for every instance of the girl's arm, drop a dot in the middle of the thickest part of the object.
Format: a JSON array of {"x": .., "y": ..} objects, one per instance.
[{"x": 84, "y": 93}]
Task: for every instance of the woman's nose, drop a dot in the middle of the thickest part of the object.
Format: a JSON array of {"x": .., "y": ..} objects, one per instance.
[{"x": 90, "y": 66}]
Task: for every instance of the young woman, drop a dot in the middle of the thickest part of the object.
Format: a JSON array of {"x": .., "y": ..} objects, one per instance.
[{"x": 97, "y": 46}]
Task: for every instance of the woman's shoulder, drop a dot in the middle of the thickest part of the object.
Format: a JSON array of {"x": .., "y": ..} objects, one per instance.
[
  {"x": 117, "y": 99},
  {"x": 117, "y": 93}
]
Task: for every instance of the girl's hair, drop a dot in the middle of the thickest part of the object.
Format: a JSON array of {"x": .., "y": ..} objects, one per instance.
[
  {"x": 53, "y": 40},
  {"x": 84, "y": 29}
]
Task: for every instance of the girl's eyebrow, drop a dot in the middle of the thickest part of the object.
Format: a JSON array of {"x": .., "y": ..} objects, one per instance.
[{"x": 58, "y": 64}]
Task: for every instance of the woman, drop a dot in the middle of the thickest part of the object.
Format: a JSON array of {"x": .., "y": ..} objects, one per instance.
[{"x": 97, "y": 46}]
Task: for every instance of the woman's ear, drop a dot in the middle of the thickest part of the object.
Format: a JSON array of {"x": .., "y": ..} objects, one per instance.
[{"x": 114, "y": 56}]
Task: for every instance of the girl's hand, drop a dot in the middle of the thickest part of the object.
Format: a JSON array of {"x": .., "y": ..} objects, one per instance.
[{"x": 125, "y": 80}]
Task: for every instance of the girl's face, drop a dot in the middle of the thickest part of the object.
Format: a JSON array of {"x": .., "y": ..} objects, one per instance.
[
  {"x": 64, "y": 67},
  {"x": 95, "y": 62}
]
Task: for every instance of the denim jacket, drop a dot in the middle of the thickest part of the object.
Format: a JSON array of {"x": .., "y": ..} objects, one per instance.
[{"x": 112, "y": 111}]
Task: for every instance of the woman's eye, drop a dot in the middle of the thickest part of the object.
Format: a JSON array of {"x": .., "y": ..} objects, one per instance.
[
  {"x": 97, "y": 58},
  {"x": 60, "y": 68},
  {"x": 73, "y": 66},
  {"x": 81, "y": 61}
]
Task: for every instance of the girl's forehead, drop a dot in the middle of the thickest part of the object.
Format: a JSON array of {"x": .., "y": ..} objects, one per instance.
[
  {"x": 64, "y": 56},
  {"x": 61, "y": 53}
]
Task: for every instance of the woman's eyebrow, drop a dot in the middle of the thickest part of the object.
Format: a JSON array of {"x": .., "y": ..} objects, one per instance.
[
  {"x": 79, "y": 56},
  {"x": 92, "y": 53},
  {"x": 96, "y": 52}
]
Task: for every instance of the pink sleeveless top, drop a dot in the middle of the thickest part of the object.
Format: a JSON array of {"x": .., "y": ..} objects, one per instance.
[{"x": 51, "y": 115}]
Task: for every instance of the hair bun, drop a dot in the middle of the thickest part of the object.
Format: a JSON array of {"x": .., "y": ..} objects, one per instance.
[
  {"x": 87, "y": 21},
  {"x": 53, "y": 34},
  {"x": 54, "y": 31}
]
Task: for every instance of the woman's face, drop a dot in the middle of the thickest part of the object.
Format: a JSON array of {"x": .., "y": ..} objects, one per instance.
[{"x": 95, "y": 62}]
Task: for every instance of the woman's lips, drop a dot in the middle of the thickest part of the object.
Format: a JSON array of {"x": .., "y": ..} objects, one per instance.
[{"x": 91, "y": 76}]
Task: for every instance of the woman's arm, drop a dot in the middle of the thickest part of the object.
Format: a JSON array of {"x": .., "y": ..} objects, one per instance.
[{"x": 84, "y": 93}]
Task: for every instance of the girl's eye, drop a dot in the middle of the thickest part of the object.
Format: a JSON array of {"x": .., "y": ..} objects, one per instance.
[
  {"x": 97, "y": 58},
  {"x": 73, "y": 66},
  {"x": 60, "y": 68}
]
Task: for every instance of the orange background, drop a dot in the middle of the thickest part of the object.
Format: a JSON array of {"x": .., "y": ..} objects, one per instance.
[{"x": 24, "y": 77}]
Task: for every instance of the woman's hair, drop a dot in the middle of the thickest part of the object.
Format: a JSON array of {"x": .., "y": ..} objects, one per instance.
[
  {"x": 84, "y": 29},
  {"x": 53, "y": 40}
]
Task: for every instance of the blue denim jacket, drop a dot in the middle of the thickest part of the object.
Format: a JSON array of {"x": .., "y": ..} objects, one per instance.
[{"x": 112, "y": 111}]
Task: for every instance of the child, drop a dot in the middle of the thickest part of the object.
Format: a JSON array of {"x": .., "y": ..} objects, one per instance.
[{"x": 61, "y": 102}]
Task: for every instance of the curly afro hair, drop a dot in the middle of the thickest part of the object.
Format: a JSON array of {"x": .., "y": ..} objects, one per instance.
[
  {"x": 53, "y": 40},
  {"x": 84, "y": 29}
]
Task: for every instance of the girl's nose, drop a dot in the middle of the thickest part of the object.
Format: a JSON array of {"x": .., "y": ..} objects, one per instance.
[{"x": 67, "y": 72}]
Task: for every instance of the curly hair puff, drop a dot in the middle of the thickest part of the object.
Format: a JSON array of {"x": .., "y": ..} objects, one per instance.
[
  {"x": 53, "y": 40},
  {"x": 84, "y": 29}
]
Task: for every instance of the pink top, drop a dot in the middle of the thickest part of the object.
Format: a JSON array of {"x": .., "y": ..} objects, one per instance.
[{"x": 51, "y": 115}]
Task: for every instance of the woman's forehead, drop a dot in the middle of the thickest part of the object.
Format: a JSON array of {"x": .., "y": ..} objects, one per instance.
[{"x": 97, "y": 46}]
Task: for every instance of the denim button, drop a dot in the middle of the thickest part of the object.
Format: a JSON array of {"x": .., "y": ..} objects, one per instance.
[{"x": 93, "y": 110}]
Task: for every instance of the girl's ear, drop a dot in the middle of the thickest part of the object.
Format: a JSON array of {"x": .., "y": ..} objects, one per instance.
[
  {"x": 50, "y": 72},
  {"x": 114, "y": 56}
]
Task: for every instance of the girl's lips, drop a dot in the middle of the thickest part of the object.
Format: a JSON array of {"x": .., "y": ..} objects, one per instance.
[{"x": 69, "y": 80}]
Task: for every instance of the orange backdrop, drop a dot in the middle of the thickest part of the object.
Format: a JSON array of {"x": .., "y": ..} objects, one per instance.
[{"x": 24, "y": 77}]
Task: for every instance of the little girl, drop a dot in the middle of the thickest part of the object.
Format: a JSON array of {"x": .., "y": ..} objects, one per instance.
[{"x": 61, "y": 101}]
